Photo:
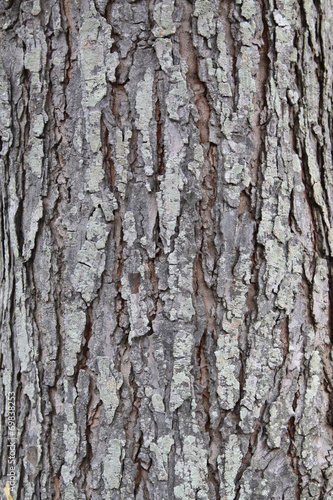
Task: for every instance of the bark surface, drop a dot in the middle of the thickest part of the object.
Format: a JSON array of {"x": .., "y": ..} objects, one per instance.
[{"x": 166, "y": 248}]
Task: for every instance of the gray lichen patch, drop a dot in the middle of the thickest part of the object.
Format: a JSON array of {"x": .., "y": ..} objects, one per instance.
[
  {"x": 24, "y": 347},
  {"x": 113, "y": 466},
  {"x": 227, "y": 363},
  {"x": 74, "y": 326},
  {"x": 130, "y": 234},
  {"x": 195, "y": 166},
  {"x": 97, "y": 63},
  {"x": 163, "y": 49},
  {"x": 144, "y": 108},
  {"x": 29, "y": 243},
  {"x": 232, "y": 462},
  {"x": 138, "y": 317},
  {"x": 320, "y": 306},
  {"x": 181, "y": 382},
  {"x": 161, "y": 449},
  {"x": 91, "y": 257},
  {"x": 163, "y": 17},
  {"x": 190, "y": 470},
  {"x": 34, "y": 157},
  {"x": 121, "y": 160},
  {"x": 205, "y": 11},
  {"x": 109, "y": 383},
  {"x": 168, "y": 198}
]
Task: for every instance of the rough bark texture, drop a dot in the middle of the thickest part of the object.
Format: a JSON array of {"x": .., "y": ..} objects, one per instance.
[{"x": 166, "y": 248}]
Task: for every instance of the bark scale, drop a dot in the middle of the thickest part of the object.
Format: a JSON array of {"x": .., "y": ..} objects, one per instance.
[{"x": 166, "y": 248}]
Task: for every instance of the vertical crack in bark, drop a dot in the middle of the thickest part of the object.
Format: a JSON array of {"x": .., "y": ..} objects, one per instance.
[
  {"x": 57, "y": 231},
  {"x": 26, "y": 82},
  {"x": 320, "y": 220},
  {"x": 296, "y": 136},
  {"x": 55, "y": 133},
  {"x": 159, "y": 134},
  {"x": 15, "y": 380},
  {"x": 250, "y": 198},
  {"x": 328, "y": 363},
  {"x": 247, "y": 459},
  {"x": 177, "y": 445},
  {"x": 225, "y": 15},
  {"x": 83, "y": 355},
  {"x": 107, "y": 156},
  {"x": 142, "y": 471},
  {"x": 260, "y": 104},
  {"x": 129, "y": 403},
  {"x": 330, "y": 302},
  {"x": 93, "y": 414},
  {"x": 318, "y": 226},
  {"x": 188, "y": 53},
  {"x": 250, "y": 201},
  {"x": 119, "y": 103},
  {"x": 133, "y": 445},
  {"x": 57, "y": 493},
  {"x": 119, "y": 249},
  {"x": 157, "y": 307},
  {"x": 253, "y": 292},
  {"x": 315, "y": 216},
  {"x": 284, "y": 339},
  {"x": 322, "y": 75},
  {"x": 107, "y": 11},
  {"x": 292, "y": 451},
  {"x": 203, "y": 399},
  {"x": 21, "y": 177},
  {"x": 69, "y": 34},
  {"x": 204, "y": 274}
]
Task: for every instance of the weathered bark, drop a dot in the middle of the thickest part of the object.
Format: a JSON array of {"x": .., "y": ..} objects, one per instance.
[{"x": 166, "y": 258}]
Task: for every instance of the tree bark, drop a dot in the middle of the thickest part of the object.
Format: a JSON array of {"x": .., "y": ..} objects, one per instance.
[{"x": 166, "y": 248}]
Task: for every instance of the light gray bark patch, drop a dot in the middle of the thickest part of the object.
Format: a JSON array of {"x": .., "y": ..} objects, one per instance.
[{"x": 166, "y": 240}]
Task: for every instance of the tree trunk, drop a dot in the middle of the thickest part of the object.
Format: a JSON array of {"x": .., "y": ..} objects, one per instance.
[{"x": 167, "y": 240}]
